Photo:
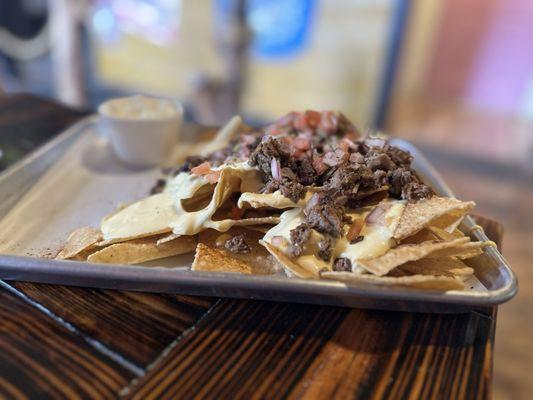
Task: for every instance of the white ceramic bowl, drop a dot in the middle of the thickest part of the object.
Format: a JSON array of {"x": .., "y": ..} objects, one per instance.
[{"x": 142, "y": 130}]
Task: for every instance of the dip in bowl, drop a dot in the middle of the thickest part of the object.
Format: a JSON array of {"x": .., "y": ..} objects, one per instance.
[{"x": 142, "y": 130}]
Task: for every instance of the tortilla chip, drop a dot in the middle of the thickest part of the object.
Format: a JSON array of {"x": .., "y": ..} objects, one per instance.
[
  {"x": 441, "y": 212},
  {"x": 414, "y": 281},
  {"x": 258, "y": 258},
  {"x": 467, "y": 250},
  {"x": 445, "y": 235},
  {"x": 216, "y": 260},
  {"x": 410, "y": 252},
  {"x": 140, "y": 250},
  {"x": 421, "y": 236},
  {"x": 447, "y": 266},
  {"x": 79, "y": 240},
  {"x": 152, "y": 213},
  {"x": 272, "y": 200},
  {"x": 166, "y": 238},
  {"x": 290, "y": 267}
]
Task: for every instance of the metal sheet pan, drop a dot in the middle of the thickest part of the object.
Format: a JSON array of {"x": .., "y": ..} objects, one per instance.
[{"x": 75, "y": 179}]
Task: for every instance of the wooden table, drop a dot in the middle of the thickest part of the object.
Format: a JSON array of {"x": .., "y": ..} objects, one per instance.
[{"x": 58, "y": 341}]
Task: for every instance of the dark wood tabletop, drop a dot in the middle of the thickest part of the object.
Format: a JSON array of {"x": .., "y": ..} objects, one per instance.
[{"x": 68, "y": 342}]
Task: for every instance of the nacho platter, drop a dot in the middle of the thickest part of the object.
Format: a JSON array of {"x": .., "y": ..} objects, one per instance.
[{"x": 40, "y": 203}]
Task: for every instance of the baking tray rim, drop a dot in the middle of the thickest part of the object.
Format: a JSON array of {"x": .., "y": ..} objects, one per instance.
[{"x": 24, "y": 267}]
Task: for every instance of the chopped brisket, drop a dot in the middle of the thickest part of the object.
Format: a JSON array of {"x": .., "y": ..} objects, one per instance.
[
  {"x": 399, "y": 157},
  {"x": 292, "y": 190},
  {"x": 405, "y": 184},
  {"x": 415, "y": 191},
  {"x": 342, "y": 265},
  {"x": 379, "y": 161},
  {"x": 299, "y": 237},
  {"x": 324, "y": 249},
  {"x": 306, "y": 172},
  {"x": 237, "y": 244},
  {"x": 324, "y": 214},
  {"x": 268, "y": 149}
]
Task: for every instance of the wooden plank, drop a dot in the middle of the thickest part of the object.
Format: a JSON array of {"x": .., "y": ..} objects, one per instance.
[
  {"x": 136, "y": 325},
  {"x": 237, "y": 346},
  {"x": 39, "y": 358},
  {"x": 266, "y": 350}
]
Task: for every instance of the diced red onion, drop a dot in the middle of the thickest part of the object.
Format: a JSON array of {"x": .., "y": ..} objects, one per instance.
[
  {"x": 275, "y": 168},
  {"x": 376, "y": 216},
  {"x": 278, "y": 241}
]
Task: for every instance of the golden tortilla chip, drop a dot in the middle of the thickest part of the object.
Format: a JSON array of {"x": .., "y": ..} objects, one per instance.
[
  {"x": 447, "y": 266},
  {"x": 290, "y": 267},
  {"x": 166, "y": 238},
  {"x": 409, "y": 252},
  {"x": 445, "y": 235},
  {"x": 216, "y": 260},
  {"x": 258, "y": 258},
  {"x": 414, "y": 281},
  {"x": 424, "y": 235},
  {"x": 79, "y": 240},
  {"x": 441, "y": 212},
  {"x": 141, "y": 250},
  {"x": 272, "y": 200},
  {"x": 467, "y": 250}
]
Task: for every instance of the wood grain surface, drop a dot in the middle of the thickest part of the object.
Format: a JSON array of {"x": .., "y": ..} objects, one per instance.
[
  {"x": 61, "y": 342},
  {"x": 138, "y": 326},
  {"x": 39, "y": 358}
]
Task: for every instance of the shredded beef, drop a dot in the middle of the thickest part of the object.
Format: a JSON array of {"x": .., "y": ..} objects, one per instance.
[
  {"x": 345, "y": 180},
  {"x": 268, "y": 149},
  {"x": 342, "y": 265},
  {"x": 415, "y": 191},
  {"x": 379, "y": 161},
  {"x": 299, "y": 237},
  {"x": 306, "y": 172},
  {"x": 357, "y": 158},
  {"x": 292, "y": 190},
  {"x": 324, "y": 214},
  {"x": 398, "y": 156},
  {"x": 324, "y": 249},
  {"x": 405, "y": 184},
  {"x": 237, "y": 244}
]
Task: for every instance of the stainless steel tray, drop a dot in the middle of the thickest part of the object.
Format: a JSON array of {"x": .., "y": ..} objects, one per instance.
[{"x": 74, "y": 180}]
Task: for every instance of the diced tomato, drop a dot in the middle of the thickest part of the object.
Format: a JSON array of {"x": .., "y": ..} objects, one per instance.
[
  {"x": 328, "y": 122},
  {"x": 346, "y": 144},
  {"x": 202, "y": 169},
  {"x": 302, "y": 143},
  {"x": 278, "y": 241},
  {"x": 213, "y": 176},
  {"x": 300, "y": 123},
  {"x": 312, "y": 118}
]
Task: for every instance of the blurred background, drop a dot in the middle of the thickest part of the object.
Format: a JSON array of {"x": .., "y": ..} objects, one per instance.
[{"x": 454, "y": 76}]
